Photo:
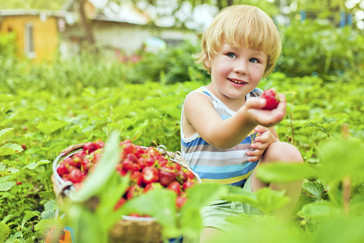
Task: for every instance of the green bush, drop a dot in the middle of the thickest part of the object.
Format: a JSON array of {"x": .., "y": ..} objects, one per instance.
[
  {"x": 7, "y": 46},
  {"x": 169, "y": 66},
  {"x": 314, "y": 48}
]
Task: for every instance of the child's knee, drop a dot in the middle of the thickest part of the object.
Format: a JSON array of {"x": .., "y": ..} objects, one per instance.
[{"x": 282, "y": 151}]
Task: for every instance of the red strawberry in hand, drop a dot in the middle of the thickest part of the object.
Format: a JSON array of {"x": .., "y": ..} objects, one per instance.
[{"x": 271, "y": 98}]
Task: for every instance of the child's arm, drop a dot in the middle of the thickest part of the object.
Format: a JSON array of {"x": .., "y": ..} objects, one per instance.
[{"x": 203, "y": 118}]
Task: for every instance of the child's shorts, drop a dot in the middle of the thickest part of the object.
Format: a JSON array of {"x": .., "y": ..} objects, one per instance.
[{"x": 215, "y": 215}]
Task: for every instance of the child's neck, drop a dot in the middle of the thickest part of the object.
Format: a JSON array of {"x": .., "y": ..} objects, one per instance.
[{"x": 232, "y": 104}]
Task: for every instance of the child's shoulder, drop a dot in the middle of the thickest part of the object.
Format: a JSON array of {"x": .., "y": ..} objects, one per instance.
[
  {"x": 198, "y": 96},
  {"x": 199, "y": 92}
]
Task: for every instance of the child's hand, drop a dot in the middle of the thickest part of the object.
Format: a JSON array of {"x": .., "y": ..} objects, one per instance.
[
  {"x": 264, "y": 138},
  {"x": 267, "y": 118}
]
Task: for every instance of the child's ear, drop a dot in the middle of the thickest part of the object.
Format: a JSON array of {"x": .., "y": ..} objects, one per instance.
[{"x": 207, "y": 63}]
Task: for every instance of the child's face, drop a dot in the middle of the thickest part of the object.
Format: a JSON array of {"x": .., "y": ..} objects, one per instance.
[{"x": 237, "y": 71}]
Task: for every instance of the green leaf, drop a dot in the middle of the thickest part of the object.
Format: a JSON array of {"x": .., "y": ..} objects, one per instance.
[
  {"x": 109, "y": 196},
  {"x": 337, "y": 229},
  {"x": 242, "y": 196},
  {"x": 269, "y": 200},
  {"x": 199, "y": 196},
  {"x": 314, "y": 189},
  {"x": 34, "y": 165},
  {"x": 5, "y": 134},
  {"x": 49, "y": 210},
  {"x": 346, "y": 154},
  {"x": 49, "y": 127},
  {"x": 319, "y": 209},
  {"x": 158, "y": 203},
  {"x": 4, "y": 232},
  {"x": 28, "y": 216},
  {"x": 85, "y": 225},
  {"x": 6, "y": 186},
  {"x": 10, "y": 148},
  {"x": 284, "y": 172},
  {"x": 102, "y": 172}
]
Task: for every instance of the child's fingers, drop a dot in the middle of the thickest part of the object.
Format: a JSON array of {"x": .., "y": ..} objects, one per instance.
[
  {"x": 255, "y": 103},
  {"x": 260, "y": 129},
  {"x": 255, "y": 152},
  {"x": 258, "y": 145}
]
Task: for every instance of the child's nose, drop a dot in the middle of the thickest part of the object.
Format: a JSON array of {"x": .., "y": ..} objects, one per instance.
[{"x": 241, "y": 67}]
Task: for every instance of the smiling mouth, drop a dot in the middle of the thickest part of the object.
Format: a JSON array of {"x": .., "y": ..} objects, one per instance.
[{"x": 235, "y": 81}]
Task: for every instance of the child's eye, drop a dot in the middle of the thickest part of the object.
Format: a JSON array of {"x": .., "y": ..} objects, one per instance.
[
  {"x": 254, "y": 60},
  {"x": 230, "y": 54}
]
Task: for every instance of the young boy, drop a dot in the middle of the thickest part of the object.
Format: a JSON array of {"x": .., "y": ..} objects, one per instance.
[{"x": 219, "y": 121}]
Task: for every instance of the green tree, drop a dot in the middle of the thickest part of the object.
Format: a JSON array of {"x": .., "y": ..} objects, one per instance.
[{"x": 32, "y": 4}]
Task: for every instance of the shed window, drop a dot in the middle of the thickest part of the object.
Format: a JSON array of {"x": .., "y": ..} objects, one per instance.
[{"x": 29, "y": 40}]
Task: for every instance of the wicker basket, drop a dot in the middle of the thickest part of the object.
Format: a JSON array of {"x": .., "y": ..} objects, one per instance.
[{"x": 129, "y": 229}]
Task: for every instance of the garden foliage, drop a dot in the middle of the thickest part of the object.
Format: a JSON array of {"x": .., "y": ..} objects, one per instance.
[{"x": 47, "y": 107}]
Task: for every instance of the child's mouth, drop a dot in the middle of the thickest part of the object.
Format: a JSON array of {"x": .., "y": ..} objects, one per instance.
[{"x": 237, "y": 83}]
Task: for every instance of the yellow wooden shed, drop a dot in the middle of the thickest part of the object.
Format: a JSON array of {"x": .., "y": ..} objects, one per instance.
[{"x": 37, "y": 32}]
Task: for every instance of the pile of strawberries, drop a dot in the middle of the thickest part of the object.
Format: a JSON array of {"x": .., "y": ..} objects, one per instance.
[{"x": 147, "y": 167}]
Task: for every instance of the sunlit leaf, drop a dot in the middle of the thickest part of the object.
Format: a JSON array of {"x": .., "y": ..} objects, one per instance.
[
  {"x": 284, "y": 172},
  {"x": 10, "y": 148},
  {"x": 6, "y": 186},
  {"x": 5, "y": 134}
]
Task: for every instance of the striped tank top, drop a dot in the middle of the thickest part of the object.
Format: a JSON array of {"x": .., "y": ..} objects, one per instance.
[{"x": 226, "y": 166}]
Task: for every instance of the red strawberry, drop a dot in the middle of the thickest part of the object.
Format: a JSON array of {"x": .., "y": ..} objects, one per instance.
[
  {"x": 128, "y": 165},
  {"x": 136, "y": 176},
  {"x": 175, "y": 186},
  {"x": 150, "y": 175},
  {"x": 119, "y": 204},
  {"x": 133, "y": 191},
  {"x": 62, "y": 169},
  {"x": 271, "y": 98},
  {"x": 132, "y": 157},
  {"x": 76, "y": 176},
  {"x": 189, "y": 174},
  {"x": 166, "y": 176},
  {"x": 149, "y": 162},
  {"x": 90, "y": 147},
  {"x": 142, "y": 162},
  {"x": 180, "y": 201},
  {"x": 189, "y": 183}
]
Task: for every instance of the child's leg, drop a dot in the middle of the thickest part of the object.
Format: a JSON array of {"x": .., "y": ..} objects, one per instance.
[
  {"x": 208, "y": 234},
  {"x": 282, "y": 152}
]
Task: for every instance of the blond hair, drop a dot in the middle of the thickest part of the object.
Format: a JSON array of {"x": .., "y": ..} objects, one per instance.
[{"x": 241, "y": 25}]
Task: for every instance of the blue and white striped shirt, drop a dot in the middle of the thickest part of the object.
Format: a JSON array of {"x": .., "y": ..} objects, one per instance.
[{"x": 227, "y": 166}]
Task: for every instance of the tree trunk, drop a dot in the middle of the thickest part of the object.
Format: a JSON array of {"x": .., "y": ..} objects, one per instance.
[{"x": 86, "y": 25}]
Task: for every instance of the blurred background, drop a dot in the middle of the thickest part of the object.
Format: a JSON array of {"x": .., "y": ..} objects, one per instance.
[{"x": 124, "y": 29}]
